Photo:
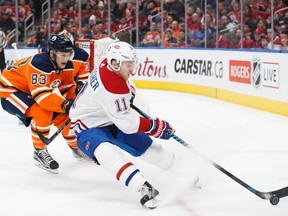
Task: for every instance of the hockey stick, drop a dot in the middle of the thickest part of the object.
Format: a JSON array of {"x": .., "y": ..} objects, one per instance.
[
  {"x": 273, "y": 196},
  {"x": 46, "y": 140}
]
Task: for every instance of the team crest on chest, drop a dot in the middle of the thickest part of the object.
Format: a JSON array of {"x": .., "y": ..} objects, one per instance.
[{"x": 55, "y": 84}]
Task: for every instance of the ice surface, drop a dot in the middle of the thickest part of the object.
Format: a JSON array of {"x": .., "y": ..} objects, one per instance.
[{"x": 251, "y": 144}]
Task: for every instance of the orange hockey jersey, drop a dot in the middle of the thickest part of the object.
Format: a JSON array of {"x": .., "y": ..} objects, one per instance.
[
  {"x": 81, "y": 64},
  {"x": 37, "y": 76}
]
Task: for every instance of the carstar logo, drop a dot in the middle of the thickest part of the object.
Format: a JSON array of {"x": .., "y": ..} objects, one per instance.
[{"x": 240, "y": 71}]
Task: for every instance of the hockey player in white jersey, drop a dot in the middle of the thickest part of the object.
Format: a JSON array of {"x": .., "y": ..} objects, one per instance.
[{"x": 104, "y": 123}]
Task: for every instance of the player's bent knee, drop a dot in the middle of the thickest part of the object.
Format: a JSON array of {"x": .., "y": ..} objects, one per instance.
[
  {"x": 108, "y": 154},
  {"x": 158, "y": 156}
]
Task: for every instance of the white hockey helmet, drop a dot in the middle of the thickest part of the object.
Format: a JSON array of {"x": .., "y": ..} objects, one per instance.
[{"x": 120, "y": 51}]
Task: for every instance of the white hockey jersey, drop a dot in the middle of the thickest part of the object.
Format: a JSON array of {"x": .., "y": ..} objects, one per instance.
[{"x": 105, "y": 100}]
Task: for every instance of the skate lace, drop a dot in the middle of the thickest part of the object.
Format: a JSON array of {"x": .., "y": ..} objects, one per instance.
[
  {"x": 146, "y": 190},
  {"x": 45, "y": 155}
]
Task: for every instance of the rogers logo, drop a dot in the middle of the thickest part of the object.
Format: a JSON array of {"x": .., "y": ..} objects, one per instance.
[{"x": 240, "y": 71}]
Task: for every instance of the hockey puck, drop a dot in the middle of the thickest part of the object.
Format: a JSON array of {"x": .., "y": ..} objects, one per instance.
[{"x": 274, "y": 200}]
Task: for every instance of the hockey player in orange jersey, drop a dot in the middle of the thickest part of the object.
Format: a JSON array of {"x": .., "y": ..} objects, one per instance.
[
  {"x": 28, "y": 91},
  {"x": 80, "y": 62}
]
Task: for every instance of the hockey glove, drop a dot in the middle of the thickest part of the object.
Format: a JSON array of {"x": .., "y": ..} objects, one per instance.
[
  {"x": 66, "y": 105},
  {"x": 79, "y": 86},
  {"x": 160, "y": 129}
]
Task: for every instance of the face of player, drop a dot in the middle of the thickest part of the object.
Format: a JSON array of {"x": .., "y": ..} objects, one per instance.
[
  {"x": 61, "y": 58},
  {"x": 126, "y": 69}
]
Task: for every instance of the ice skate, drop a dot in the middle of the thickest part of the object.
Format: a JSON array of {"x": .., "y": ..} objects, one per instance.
[
  {"x": 44, "y": 160},
  {"x": 150, "y": 196},
  {"x": 79, "y": 155}
]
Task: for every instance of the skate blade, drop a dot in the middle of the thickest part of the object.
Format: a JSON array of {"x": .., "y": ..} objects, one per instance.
[
  {"x": 82, "y": 159},
  {"x": 54, "y": 171},
  {"x": 153, "y": 203}
]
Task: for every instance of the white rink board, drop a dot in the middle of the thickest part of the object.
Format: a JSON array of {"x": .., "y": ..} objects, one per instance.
[
  {"x": 260, "y": 74},
  {"x": 227, "y": 70}
]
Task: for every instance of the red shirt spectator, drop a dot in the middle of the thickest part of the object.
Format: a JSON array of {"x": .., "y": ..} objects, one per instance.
[
  {"x": 62, "y": 11},
  {"x": 260, "y": 9},
  {"x": 23, "y": 10},
  {"x": 194, "y": 22},
  {"x": 101, "y": 13},
  {"x": 256, "y": 44}
]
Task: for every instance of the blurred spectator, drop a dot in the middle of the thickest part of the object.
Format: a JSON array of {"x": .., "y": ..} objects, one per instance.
[
  {"x": 210, "y": 23},
  {"x": 57, "y": 28},
  {"x": 224, "y": 42},
  {"x": 222, "y": 10},
  {"x": 92, "y": 24},
  {"x": 9, "y": 9},
  {"x": 248, "y": 19},
  {"x": 130, "y": 20},
  {"x": 246, "y": 41},
  {"x": 175, "y": 9},
  {"x": 194, "y": 22},
  {"x": 256, "y": 44},
  {"x": 198, "y": 38},
  {"x": 131, "y": 8},
  {"x": 175, "y": 28},
  {"x": 237, "y": 42},
  {"x": 168, "y": 22},
  {"x": 278, "y": 5},
  {"x": 283, "y": 36},
  {"x": 151, "y": 38},
  {"x": 62, "y": 11},
  {"x": 181, "y": 42},
  {"x": 235, "y": 13},
  {"x": 153, "y": 12},
  {"x": 169, "y": 40},
  {"x": 123, "y": 25},
  {"x": 86, "y": 33},
  {"x": 73, "y": 10},
  {"x": 101, "y": 13},
  {"x": 262, "y": 25},
  {"x": 226, "y": 24},
  {"x": 265, "y": 41},
  {"x": 39, "y": 39},
  {"x": 100, "y": 32},
  {"x": 23, "y": 12},
  {"x": 118, "y": 11},
  {"x": 275, "y": 41},
  {"x": 260, "y": 9},
  {"x": 7, "y": 24}
]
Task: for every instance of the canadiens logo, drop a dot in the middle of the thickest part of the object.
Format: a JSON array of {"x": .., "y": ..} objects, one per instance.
[
  {"x": 55, "y": 84},
  {"x": 87, "y": 146},
  {"x": 256, "y": 73}
]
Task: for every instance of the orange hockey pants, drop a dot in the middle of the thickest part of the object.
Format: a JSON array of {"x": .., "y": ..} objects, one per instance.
[{"x": 42, "y": 120}]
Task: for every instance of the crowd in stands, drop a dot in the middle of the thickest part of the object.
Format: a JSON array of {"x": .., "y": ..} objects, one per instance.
[
  {"x": 196, "y": 29},
  {"x": 8, "y": 17}
]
